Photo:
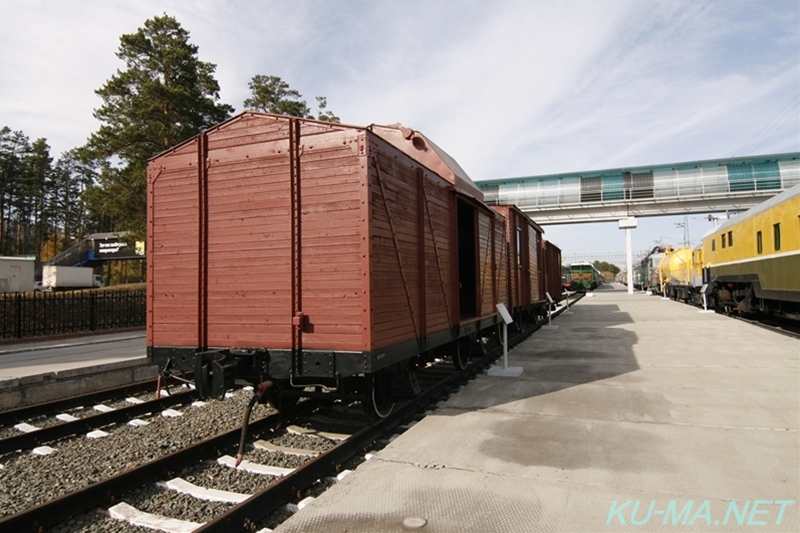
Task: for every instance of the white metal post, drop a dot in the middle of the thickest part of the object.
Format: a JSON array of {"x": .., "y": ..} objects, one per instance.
[
  {"x": 566, "y": 297},
  {"x": 505, "y": 346},
  {"x": 506, "y": 371},
  {"x": 549, "y": 312},
  {"x": 629, "y": 259}
]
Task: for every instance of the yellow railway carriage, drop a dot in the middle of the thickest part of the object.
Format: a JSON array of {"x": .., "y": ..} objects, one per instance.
[{"x": 752, "y": 262}]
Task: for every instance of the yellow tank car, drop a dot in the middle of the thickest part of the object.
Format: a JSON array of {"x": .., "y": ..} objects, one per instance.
[
  {"x": 697, "y": 265},
  {"x": 752, "y": 261},
  {"x": 663, "y": 269},
  {"x": 680, "y": 283}
]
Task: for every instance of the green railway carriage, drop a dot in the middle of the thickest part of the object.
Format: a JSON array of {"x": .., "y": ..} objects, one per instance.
[
  {"x": 752, "y": 262},
  {"x": 645, "y": 274},
  {"x": 584, "y": 276}
]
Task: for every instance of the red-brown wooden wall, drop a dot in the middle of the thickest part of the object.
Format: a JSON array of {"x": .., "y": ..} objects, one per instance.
[{"x": 377, "y": 240}]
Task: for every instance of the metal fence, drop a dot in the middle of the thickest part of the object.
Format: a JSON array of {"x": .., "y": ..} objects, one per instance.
[{"x": 25, "y": 315}]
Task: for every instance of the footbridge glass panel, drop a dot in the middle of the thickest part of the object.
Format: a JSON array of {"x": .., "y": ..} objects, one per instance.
[
  {"x": 790, "y": 173},
  {"x": 699, "y": 186},
  {"x": 613, "y": 187},
  {"x": 767, "y": 176}
]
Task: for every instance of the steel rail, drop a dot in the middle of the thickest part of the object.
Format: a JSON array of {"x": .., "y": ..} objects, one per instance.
[
  {"x": 776, "y": 324},
  {"x": 261, "y": 504},
  {"x": 68, "y": 429},
  {"x": 281, "y": 492},
  {"x": 56, "y": 406},
  {"x": 60, "y": 509},
  {"x": 763, "y": 323}
]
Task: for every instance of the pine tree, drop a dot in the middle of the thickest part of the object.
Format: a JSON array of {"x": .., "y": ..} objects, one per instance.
[
  {"x": 273, "y": 95},
  {"x": 163, "y": 97}
]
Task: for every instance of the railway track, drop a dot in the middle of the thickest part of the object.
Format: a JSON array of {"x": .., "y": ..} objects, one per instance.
[
  {"x": 26, "y": 434},
  {"x": 785, "y": 327},
  {"x": 297, "y": 452},
  {"x": 782, "y": 326},
  {"x": 31, "y": 412}
]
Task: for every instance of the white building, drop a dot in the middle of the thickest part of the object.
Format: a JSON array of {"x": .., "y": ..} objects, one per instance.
[{"x": 16, "y": 274}]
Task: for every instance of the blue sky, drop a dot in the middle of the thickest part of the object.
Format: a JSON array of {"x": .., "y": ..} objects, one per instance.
[{"x": 508, "y": 88}]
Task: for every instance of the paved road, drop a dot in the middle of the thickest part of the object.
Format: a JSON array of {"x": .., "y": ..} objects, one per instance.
[{"x": 29, "y": 359}]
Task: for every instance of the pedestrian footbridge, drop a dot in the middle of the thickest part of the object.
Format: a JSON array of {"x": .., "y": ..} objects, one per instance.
[{"x": 677, "y": 188}]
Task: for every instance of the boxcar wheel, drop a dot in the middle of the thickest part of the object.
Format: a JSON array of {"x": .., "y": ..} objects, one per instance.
[
  {"x": 460, "y": 356},
  {"x": 379, "y": 395},
  {"x": 490, "y": 338},
  {"x": 521, "y": 322}
]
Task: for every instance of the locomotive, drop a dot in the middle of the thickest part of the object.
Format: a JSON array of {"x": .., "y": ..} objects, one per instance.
[
  {"x": 328, "y": 259},
  {"x": 584, "y": 276},
  {"x": 748, "y": 264},
  {"x": 646, "y": 275}
]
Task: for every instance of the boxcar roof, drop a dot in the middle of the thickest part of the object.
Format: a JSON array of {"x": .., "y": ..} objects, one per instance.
[
  {"x": 422, "y": 149},
  {"x": 510, "y": 207},
  {"x": 409, "y": 141}
]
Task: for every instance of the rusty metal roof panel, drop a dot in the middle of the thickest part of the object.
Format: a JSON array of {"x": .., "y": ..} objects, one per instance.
[{"x": 421, "y": 148}]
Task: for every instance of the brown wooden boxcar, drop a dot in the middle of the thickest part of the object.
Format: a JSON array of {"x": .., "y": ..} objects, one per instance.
[
  {"x": 308, "y": 252},
  {"x": 523, "y": 237},
  {"x": 551, "y": 281}
]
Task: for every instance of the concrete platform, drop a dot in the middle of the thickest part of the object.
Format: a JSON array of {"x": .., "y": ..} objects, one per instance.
[
  {"x": 43, "y": 371},
  {"x": 633, "y": 408}
]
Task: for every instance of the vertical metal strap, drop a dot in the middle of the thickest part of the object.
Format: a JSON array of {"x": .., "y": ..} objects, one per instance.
[
  {"x": 423, "y": 303},
  {"x": 455, "y": 252},
  {"x": 296, "y": 310},
  {"x": 524, "y": 249},
  {"x": 202, "y": 244},
  {"x": 436, "y": 251},
  {"x": 495, "y": 281},
  {"x": 486, "y": 261},
  {"x": 152, "y": 176}
]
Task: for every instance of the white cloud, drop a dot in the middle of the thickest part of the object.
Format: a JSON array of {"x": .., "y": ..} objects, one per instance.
[{"x": 509, "y": 88}]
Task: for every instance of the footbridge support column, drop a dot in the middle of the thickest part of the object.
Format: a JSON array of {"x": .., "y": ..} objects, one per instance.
[{"x": 628, "y": 224}]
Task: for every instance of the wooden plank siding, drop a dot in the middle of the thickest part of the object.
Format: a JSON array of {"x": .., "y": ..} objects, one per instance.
[
  {"x": 490, "y": 245},
  {"x": 412, "y": 218},
  {"x": 524, "y": 287},
  {"x": 332, "y": 287},
  {"x": 172, "y": 263},
  {"x": 550, "y": 280},
  {"x": 248, "y": 230},
  {"x": 513, "y": 283},
  {"x": 502, "y": 262},
  {"x": 248, "y": 267},
  {"x": 534, "y": 244},
  {"x": 483, "y": 262},
  {"x": 373, "y": 261}
]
